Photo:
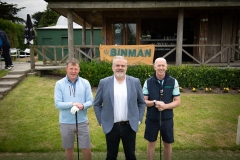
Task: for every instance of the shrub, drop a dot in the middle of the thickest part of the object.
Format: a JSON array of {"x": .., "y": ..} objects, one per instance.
[{"x": 187, "y": 76}]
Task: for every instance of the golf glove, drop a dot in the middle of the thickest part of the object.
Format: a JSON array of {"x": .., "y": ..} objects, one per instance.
[{"x": 74, "y": 109}]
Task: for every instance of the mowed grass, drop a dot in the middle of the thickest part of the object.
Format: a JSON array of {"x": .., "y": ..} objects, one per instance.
[
  {"x": 205, "y": 126},
  {"x": 3, "y": 72}
]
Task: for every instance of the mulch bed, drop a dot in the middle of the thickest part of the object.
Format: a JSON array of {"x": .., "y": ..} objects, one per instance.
[{"x": 214, "y": 91}]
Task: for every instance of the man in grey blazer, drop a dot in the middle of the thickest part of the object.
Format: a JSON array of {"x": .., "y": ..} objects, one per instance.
[{"x": 119, "y": 106}]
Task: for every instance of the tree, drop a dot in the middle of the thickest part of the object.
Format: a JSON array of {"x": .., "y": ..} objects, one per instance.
[
  {"x": 15, "y": 32},
  {"x": 37, "y": 18},
  {"x": 8, "y": 12},
  {"x": 44, "y": 19}
]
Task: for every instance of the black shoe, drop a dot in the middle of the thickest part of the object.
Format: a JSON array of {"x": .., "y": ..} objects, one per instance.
[{"x": 11, "y": 65}]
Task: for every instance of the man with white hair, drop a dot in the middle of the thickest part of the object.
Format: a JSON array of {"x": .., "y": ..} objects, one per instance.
[{"x": 162, "y": 95}]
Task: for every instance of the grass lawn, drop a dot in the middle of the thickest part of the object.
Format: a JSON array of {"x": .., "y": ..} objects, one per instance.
[
  {"x": 3, "y": 72},
  {"x": 205, "y": 126}
]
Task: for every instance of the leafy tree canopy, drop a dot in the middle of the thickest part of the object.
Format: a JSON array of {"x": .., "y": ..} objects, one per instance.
[
  {"x": 15, "y": 32},
  {"x": 44, "y": 19},
  {"x": 9, "y": 12},
  {"x": 36, "y": 18}
]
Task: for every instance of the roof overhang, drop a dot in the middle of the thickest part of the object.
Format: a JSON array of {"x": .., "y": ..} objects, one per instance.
[{"x": 92, "y": 11}]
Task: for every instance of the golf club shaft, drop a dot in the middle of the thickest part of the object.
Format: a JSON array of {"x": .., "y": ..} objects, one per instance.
[
  {"x": 160, "y": 146},
  {"x": 77, "y": 133},
  {"x": 160, "y": 119},
  {"x": 160, "y": 124}
]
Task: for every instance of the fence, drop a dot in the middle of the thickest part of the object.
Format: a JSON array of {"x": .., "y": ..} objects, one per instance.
[{"x": 50, "y": 57}]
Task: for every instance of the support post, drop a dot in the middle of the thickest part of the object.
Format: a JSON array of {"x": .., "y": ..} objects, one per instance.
[
  {"x": 32, "y": 59},
  {"x": 84, "y": 32},
  {"x": 83, "y": 38},
  {"x": 238, "y": 132},
  {"x": 70, "y": 35},
  {"x": 179, "y": 37},
  {"x": 92, "y": 42}
]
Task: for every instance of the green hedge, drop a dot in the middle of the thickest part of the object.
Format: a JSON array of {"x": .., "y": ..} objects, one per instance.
[
  {"x": 15, "y": 33},
  {"x": 187, "y": 76}
]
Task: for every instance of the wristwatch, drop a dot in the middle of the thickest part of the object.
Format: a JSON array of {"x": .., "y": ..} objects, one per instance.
[{"x": 154, "y": 102}]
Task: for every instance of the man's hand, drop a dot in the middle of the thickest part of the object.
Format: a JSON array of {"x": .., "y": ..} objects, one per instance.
[
  {"x": 160, "y": 105},
  {"x": 78, "y": 105},
  {"x": 74, "y": 109}
]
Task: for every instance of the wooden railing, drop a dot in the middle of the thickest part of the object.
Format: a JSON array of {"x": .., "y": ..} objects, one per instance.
[
  {"x": 50, "y": 57},
  {"x": 201, "y": 61}
]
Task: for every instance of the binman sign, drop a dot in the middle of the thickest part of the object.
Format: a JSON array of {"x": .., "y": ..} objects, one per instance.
[{"x": 135, "y": 54}]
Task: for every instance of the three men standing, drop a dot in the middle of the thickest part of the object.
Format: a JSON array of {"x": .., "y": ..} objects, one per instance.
[{"x": 119, "y": 107}]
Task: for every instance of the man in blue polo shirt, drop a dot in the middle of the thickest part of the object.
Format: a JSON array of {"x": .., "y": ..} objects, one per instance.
[
  {"x": 162, "y": 95},
  {"x": 73, "y": 95}
]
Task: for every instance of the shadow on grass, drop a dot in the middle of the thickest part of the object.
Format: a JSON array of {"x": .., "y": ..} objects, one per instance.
[{"x": 177, "y": 155}]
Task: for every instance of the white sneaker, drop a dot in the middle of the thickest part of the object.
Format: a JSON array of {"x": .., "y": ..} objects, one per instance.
[{"x": 8, "y": 68}]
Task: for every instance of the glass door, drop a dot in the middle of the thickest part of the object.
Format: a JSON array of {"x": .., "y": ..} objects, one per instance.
[{"x": 124, "y": 33}]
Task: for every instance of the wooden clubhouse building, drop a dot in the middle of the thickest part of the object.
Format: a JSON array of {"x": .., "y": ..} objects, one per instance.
[{"x": 196, "y": 32}]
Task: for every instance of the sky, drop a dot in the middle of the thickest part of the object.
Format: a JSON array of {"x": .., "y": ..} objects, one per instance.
[{"x": 32, "y": 6}]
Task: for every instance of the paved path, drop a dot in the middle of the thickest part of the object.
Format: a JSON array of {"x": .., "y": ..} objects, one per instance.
[
  {"x": 14, "y": 76},
  {"x": 26, "y": 66},
  {"x": 23, "y": 66}
]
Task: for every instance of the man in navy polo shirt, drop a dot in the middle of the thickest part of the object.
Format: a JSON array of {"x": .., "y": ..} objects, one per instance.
[
  {"x": 162, "y": 95},
  {"x": 6, "y": 50}
]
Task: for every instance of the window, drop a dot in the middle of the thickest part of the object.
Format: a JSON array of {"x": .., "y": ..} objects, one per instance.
[{"x": 124, "y": 33}]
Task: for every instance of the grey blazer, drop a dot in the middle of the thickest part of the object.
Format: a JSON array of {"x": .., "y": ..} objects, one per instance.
[{"x": 104, "y": 101}]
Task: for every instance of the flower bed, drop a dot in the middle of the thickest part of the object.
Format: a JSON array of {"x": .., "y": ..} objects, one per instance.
[{"x": 209, "y": 91}]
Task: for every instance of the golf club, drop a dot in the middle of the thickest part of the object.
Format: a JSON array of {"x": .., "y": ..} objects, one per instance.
[
  {"x": 160, "y": 124},
  {"x": 77, "y": 133}
]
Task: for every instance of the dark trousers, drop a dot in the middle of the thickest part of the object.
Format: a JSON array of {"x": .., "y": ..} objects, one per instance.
[
  {"x": 128, "y": 137},
  {"x": 6, "y": 56}
]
